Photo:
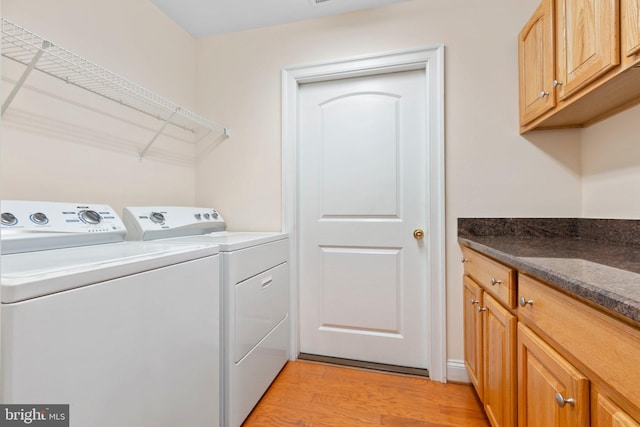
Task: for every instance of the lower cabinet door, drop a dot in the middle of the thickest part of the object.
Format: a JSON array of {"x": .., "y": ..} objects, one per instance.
[
  {"x": 551, "y": 392},
  {"x": 473, "y": 333},
  {"x": 499, "y": 353},
  {"x": 605, "y": 413}
]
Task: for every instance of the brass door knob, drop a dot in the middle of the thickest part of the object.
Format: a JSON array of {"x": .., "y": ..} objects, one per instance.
[{"x": 418, "y": 233}]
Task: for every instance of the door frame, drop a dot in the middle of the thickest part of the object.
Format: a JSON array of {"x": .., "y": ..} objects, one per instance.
[{"x": 431, "y": 60}]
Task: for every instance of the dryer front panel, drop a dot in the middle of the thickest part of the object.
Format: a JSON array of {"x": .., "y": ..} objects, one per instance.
[{"x": 261, "y": 303}]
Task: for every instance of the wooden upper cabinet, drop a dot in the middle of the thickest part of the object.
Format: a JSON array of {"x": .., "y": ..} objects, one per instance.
[
  {"x": 587, "y": 42},
  {"x": 630, "y": 31},
  {"x": 536, "y": 57},
  {"x": 594, "y": 58}
]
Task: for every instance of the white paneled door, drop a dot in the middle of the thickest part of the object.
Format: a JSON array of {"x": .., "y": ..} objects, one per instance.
[{"x": 362, "y": 206}]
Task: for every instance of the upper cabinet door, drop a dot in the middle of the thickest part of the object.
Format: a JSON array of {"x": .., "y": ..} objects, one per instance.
[
  {"x": 536, "y": 56},
  {"x": 630, "y": 31},
  {"x": 587, "y": 42}
]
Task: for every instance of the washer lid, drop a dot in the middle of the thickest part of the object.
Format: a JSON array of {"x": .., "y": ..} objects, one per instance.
[
  {"x": 228, "y": 241},
  {"x": 34, "y": 274}
]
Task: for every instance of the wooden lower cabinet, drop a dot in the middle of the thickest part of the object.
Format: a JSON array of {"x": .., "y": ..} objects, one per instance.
[
  {"x": 605, "y": 413},
  {"x": 490, "y": 353},
  {"x": 552, "y": 361},
  {"x": 551, "y": 392},
  {"x": 499, "y": 352},
  {"x": 473, "y": 334}
]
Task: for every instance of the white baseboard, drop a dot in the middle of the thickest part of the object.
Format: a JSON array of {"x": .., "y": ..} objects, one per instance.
[{"x": 457, "y": 372}]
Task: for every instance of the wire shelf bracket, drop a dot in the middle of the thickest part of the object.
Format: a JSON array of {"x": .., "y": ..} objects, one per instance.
[
  {"x": 23, "y": 78},
  {"x": 164, "y": 125},
  {"x": 36, "y": 52}
]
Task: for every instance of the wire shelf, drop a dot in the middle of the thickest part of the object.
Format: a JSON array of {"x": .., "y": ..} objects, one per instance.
[{"x": 36, "y": 52}]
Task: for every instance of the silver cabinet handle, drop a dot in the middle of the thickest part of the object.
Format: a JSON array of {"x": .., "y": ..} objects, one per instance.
[
  {"x": 561, "y": 401},
  {"x": 495, "y": 281},
  {"x": 524, "y": 302},
  {"x": 543, "y": 94},
  {"x": 556, "y": 83},
  {"x": 474, "y": 301},
  {"x": 463, "y": 260},
  {"x": 481, "y": 309}
]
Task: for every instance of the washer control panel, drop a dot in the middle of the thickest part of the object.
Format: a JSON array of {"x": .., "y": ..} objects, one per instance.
[
  {"x": 33, "y": 225},
  {"x": 160, "y": 222}
]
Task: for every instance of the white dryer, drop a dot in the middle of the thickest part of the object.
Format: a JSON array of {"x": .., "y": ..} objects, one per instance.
[
  {"x": 126, "y": 333},
  {"x": 255, "y": 284}
]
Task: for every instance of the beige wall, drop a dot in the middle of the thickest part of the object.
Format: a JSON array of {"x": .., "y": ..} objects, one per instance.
[
  {"x": 490, "y": 170},
  {"x": 61, "y": 143},
  {"x": 611, "y": 167}
]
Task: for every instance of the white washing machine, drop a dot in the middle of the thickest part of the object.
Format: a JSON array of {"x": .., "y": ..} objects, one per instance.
[
  {"x": 255, "y": 283},
  {"x": 126, "y": 333}
]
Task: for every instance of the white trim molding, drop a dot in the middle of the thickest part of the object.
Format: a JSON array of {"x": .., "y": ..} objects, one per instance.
[
  {"x": 457, "y": 372},
  {"x": 431, "y": 60}
]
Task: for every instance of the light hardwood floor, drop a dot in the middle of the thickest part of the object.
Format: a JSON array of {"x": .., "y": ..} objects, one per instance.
[{"x": 309, "y": 394}]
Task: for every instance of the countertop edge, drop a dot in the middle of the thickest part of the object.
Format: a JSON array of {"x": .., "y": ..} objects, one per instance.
[{"x": 605, "y": 300}]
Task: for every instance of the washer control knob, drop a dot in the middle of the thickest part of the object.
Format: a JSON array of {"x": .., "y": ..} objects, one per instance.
[
  {"x": 90, "y": 217},
  {"x": 9, "y": 219},
  {"x": 39, "y": 218},
  {"x": 207, "y": 216},
  {"x": 197, "y": 216},
  {"x": 214, "y": 215},
  {"x": 157, "y": 217}
]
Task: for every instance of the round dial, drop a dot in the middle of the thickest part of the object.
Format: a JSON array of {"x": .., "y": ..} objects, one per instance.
[
  {"x": 206, "y": 216},
  {"x": 9, "y": 219},
  {"x": 90, "y": 217},
  {"x": 157, "y": 217},
  {"x": 197, "y": 216},
  {"x": 39, "y": 218},
  {"x": 214, "y": 215}
]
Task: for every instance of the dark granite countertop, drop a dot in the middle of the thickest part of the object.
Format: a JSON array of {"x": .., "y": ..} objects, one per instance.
[{"x": 597, "y": 260}]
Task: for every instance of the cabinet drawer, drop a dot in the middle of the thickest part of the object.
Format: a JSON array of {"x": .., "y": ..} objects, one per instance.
[
  {"x": 604, "y": 345},
  {"x": 497, "y": 279}
]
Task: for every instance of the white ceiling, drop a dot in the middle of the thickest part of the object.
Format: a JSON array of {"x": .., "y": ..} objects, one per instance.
[{"x": 202, "y": 18}]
